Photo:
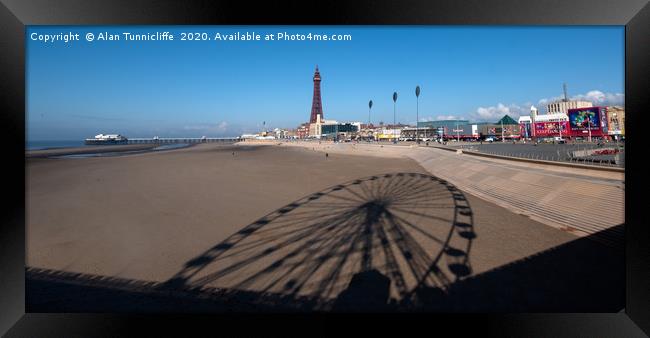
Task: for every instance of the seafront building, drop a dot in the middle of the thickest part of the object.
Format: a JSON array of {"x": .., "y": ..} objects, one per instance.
[
  {"x": 562, "y": 107},
  {"x": 555, "y": 123},
  {"x": 506, "y": 128},
  {"x": 616, "y": 122},
  {"x": 316, "y": 104},
  {"x": 319, "y": 127},
  {"x": 388, "y": 133}
]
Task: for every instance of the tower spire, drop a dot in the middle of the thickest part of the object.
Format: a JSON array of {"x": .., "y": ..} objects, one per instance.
[{"x": 316, "y": 105}]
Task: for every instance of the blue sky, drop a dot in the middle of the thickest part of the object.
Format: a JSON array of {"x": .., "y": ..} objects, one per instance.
[{"x": 224, "y": 88}]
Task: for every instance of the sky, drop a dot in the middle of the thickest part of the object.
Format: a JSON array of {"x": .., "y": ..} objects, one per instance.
[{"x": 218, "y": 88}]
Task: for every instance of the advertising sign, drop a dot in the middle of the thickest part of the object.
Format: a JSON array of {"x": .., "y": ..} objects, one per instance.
[
  {"x": 583, "y": 120},
  {"x": 551, "y": 129},
  {"x": 525, "y": 130},
  {"x": 507, "y": 131},
  {"x": 603, "y": 119},
  {"x": 615, "y": 125}
]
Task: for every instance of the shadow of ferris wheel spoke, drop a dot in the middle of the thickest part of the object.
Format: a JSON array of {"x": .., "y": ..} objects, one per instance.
[{"x": 389, "y": 235}]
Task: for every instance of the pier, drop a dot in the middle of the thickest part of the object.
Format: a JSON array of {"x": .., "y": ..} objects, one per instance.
[{"x": 182, "y": 140}]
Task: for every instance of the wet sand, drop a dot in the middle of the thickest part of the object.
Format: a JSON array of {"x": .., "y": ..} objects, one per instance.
[
  {"x": 87, "y": 150},
  {"x": 229, "y": 216}
]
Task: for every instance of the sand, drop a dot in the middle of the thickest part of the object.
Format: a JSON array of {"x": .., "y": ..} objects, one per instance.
[{"x": 269, "y": 219}]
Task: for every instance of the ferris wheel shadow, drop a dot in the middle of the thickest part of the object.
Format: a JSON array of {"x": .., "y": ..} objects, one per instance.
[{"x": 368, "y": 244}]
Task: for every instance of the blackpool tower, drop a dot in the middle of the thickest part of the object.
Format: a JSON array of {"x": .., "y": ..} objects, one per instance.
[{"x": 316, "y": 105}]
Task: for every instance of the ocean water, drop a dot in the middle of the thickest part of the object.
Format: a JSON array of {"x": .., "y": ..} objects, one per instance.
[
  {"x": 130, "y": 152},
  {"x": 171, "y": 146},
  {"x": 38, "y": 145}
]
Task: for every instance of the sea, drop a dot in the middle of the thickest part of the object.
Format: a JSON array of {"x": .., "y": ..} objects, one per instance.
[{"x": 41, "y": 144}]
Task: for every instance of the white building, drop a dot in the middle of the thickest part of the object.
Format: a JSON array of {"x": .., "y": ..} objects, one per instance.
[
  {"x": 315, "y": 128},
  {"x": 564, "y": 106},
  {"x": 280, "y": 133},
  {"x": 549, "y": 117},
  {"x": 525, "y": 119}
]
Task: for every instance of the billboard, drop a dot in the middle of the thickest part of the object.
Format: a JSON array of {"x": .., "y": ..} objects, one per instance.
[
  {"x": 615, "y": 121},
  {"x": 507, "y": 130},
  {"x": 525, "y": 130},
  {"x": 551, "y": 129},
  {"x": 462, "y": 130},
  {"x": 583, "y": 120}
]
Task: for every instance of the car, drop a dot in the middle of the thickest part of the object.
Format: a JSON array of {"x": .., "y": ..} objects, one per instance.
[
  {"x": 559, "y": 140},
  {"x": 489, "y": 139}
]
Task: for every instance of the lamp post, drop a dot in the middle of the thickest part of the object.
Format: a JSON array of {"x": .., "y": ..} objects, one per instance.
[
  {"x": 503, "y": 140},
  {"x": 589, "y": 125},
  {"x": 369, "y": 107},
  {"x": 616, "y": 130},
  {"x": 394, "y": 115},
  {"x": 417, "y": 114}
]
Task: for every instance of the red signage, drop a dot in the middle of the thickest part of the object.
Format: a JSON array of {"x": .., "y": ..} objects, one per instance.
[
  {"x": 551, "y": 129},
  {"x": 585, "y": 121}
]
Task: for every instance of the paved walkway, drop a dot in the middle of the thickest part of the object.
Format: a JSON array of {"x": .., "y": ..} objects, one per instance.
[{"x": 577, "y": 200}]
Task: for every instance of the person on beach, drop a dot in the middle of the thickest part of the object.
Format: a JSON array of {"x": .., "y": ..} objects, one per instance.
[{"x": 326, "y": 155}]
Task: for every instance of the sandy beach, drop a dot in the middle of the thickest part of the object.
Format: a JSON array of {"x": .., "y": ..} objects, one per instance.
[{"x": 289, "y": 221}]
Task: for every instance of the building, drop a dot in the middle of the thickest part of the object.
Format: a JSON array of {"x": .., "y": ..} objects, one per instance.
[
  {"x": 447, "y": 124},
  {"x": 281, "y": 133},
  {"x": 424, "y": 133},
  {"x": 316, "y": 119},
  {"x": 345, "y": 131},
  {"x": 248, "y": 136},
  {"x": 548, "y": 125},
  {"x": 316, "y": 104},
  {"x": 525, "y": 127},
  {"x": 616, "y": 121},
  {"x": 302, "y": 132},
  {"x": 563, "y": 106},
  {"x": 316, "y": 128},
  {"x": 449, "y": 128},
  {"x": 387, "y": 134},
  {"x": 507, "y": 128},
  {"x": 588, "y": 123}
]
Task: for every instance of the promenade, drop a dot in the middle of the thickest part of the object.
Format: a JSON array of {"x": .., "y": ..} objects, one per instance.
[{"x": 581, "y": 201}]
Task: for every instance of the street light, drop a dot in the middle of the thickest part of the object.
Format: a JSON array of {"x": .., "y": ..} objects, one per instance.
[
  {"x": 589, "y": 125},
  {"x": 503, "y": 140},
  {"x": 616, "y": 130},
  {"x": 369, "y": 107},
  {"x": 417, "y": 114},
  {"x": 394, "y": 115}
]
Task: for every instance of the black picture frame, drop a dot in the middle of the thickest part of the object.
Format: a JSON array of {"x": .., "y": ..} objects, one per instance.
[{"x": 15, "y": 15}]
